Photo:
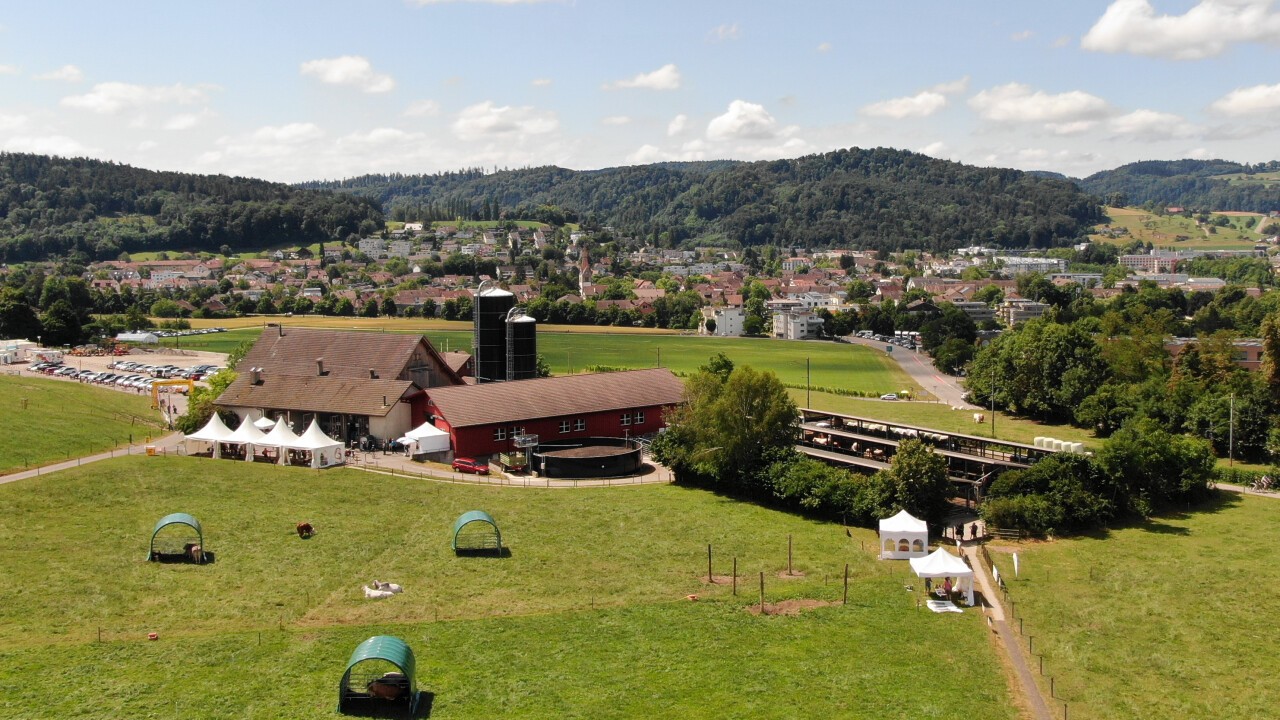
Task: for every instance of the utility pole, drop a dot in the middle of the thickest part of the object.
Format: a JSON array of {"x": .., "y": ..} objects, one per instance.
[
  {"x": 1231, "y": 432},
  {"x": 992, "y": 392},
  {"x": 808, "y": 387}
]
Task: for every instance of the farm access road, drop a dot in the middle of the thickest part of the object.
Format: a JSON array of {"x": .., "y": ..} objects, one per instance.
[{"x": 947, "y": 388}]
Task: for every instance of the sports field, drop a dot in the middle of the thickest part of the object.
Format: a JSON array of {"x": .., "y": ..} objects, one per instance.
[
  {"x": 587, "y": 617},
  {"x": 1167, "y": 618}
]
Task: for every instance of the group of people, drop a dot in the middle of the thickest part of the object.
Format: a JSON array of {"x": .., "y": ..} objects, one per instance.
[{"x": 943, "y": 591}]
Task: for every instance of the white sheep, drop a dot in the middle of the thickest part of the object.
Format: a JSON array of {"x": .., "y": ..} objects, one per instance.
[
  {"x": 376, "y": 594},
  {"x": 390, "y": 587}
]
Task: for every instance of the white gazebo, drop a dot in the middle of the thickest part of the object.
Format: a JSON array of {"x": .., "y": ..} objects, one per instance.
[
  {"x": 265, "y": 424},
  {"x": 903, "y": 537},
  {"x": 325, "y": 451},
  {"x": 215, "y": 431},
  {"x": 430, "y": 439},
  {"x": 942, "y": 564},
  {"x": 281, "y": 438},
  {"x": 248, "y": 436}
]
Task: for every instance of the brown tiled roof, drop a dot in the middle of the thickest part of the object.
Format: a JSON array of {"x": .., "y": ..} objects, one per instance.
[
  {"x": 349, "y": 354},
  {"x": 490, "y": 403},
  {"x": 456, "y": 359},
  {"x": 312, "y": 393}
]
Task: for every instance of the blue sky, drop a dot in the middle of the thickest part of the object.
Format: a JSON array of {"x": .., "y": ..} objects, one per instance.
[{"x": 314, "y": 89}]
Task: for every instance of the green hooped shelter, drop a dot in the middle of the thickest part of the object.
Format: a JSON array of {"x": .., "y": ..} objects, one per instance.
[
  {"x": 482, "y": 536},
  {"x": 354, "y": 692},
  {"x": 172, "y": 546}
]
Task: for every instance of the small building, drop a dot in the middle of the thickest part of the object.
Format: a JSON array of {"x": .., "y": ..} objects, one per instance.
[
  {"x": 485, "y": 419},
  {"x": 140, "y": 338},
  {"x": 728, "y": 321},
  {"x": 797, "y": 324}
]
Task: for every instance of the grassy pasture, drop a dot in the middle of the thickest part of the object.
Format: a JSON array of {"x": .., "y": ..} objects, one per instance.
[
  {"x": 1165, "y": 231},
  {"x": 1169, "y": 618},
  {"x": 586, "y": 618},
  {"x": 43, "y": 420}
]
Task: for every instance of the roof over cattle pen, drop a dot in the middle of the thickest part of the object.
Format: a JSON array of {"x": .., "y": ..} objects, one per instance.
[
  {"x": 471, "y": 516},
  {"x": 178, "y": 519},
  {"x": 388, "y": 648},
  {"x": 471, "y": 405}
]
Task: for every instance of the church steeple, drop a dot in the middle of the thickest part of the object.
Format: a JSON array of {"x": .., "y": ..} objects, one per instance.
[{"x": 584, "y": 271}]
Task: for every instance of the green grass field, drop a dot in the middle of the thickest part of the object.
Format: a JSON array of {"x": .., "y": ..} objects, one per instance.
[
  {"x": 1265, "y": 179},
  {"x": 44, "y": 420},
  {"x": 1177, "y": 232},
  {"x": 1169, "y": 618},
  {"x": 586, "y": 618},
  {"x": 942, "y": 417}
]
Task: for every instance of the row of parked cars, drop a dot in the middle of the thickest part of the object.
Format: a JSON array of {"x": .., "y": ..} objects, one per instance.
[
  {"x": 120, "y": 380},
  {"x": 188, "y": 333},
  {"x": 196, "y": 372},
  {"x": 906, "y": 341}
]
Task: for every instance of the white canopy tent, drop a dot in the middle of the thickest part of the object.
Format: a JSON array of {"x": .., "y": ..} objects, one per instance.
[
  {"x": 280, "y": 437},
  {"x": 265, "y": 424},
  {"x": 246, "y": 435},
  {"x": 942, "y": 564},
  {"x": 325, "y": 450},
  {"x": 903, "y": 537},
  {"x": 430, "y": 439},
  {"x": 215, "y": 431}
]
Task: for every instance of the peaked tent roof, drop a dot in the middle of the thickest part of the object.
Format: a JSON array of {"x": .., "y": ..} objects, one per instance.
[
  {"x": 940, "y": 563},
  {"x": 280, "y": 436},
  {"x": 903, "y": 522},
  {"x": 425, "y": 430},
  {"x": 213, "y": 431},
  {"x": 429, "y": 438},
  {"x": 265, "y": 424},
  {"x": 315, "y": 439},
  {"x": 246, "y": 433}
]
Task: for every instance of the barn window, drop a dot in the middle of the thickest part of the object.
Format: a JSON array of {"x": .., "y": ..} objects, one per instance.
[
  {"x": 500, "y": 433},
  {"x": 639, "y": 417},
  {"x": 564, "y": 426},
  {"x": 626, "y": 418},
  {"x": 579, "y": 424}
]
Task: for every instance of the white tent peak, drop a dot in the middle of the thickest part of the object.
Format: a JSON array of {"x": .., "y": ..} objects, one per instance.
[
  {"x": 264, "y": 424},
  {"x": 903, "y": 522},
  {"x": 280, "y": 436},
  {"x": 213, "y": 431}
]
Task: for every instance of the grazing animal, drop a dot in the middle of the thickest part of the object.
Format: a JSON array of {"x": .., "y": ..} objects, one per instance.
[
  {"x": 376, "y": 594},
  {"x": 390, "y": 587},
  {"x": 195, "y": 552},
  {"x": 305, "y": 530},
  {"x": 388, "y": 687}
]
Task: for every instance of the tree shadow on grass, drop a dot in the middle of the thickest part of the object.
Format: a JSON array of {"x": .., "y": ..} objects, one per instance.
[{"x": 1159, "y": 523}]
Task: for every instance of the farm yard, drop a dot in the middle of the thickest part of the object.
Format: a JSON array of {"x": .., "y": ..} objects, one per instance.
[
  {"x": 587, "y": 617},
  {"x": 1167, "y": 618}
]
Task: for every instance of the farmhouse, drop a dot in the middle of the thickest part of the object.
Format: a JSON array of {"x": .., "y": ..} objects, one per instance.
[
  {"x": 356, "y": 383},
  {"x": 485, "y": 419}
]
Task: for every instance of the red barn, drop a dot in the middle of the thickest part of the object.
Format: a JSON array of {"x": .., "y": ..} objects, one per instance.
[{"x": 484, "y": 419}]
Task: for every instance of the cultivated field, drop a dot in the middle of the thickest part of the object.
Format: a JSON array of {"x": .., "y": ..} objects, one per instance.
[
  {"x": 1177, "y": 232},
  {"x": 43, "y": 420},
  {"x": 831, "y": 365},
  {"x": 1170, "y": 618},
  {"x": 586, "y": 618}
]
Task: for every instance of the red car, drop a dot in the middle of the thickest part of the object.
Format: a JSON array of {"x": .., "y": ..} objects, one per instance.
[{"x": 470, "y": 465}]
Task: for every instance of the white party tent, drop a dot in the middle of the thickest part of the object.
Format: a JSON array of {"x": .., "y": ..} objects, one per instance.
[
  {"x": 325, "y": 451},
  {"x": 903, "y": 537},
  {"x": 430, "y": 438},
  {"x": 280, "y": 437},
  {"x": 942, "y": 564},
  {"x": 264, "y": 424},
  {"x": 215, "y": 431},
  {"x": 246, "y": 435}
]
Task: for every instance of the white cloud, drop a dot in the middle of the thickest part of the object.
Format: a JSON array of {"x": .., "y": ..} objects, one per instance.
[
  {"x": 666, "y": 77},
  {"x": 485, "y": 2},
  {"x": 12, "y": 122},
  {"x": 422, "y": 108},
  {"x": 8, "y": 69},
  {"x": 952, "y": 88},
  {"x": 743, "y": 120},
  {"x": 1249, "y": 100},
  {"x": 1205, "y": 30},
  {"x": 726, "y": 32},
  {"x": 291, "y": 134},
  {"x": 186, "y": 121},
  {"x": 1022, "y": 35},
  {"x": 645, "y": 155},
  {"x": 824, "y": 47},
  {"x": 1062, "y": 41},
  {"x": 146, "y": 145},
  {"x": 937, "y": 149},
  {"x": 1199, "y": 153},
  {"x": 1017, "y": 103},
  {"x": 485, "y": 119},
  {"x": 66, "y": 73},
  {"x": 677, "y": 125},
  {"x": 47, "y": 145},
  {"x": 541, "y": 82},
  {"x": 921, "y": 104},
  {"x": 352, "y": 70},
  {"x": 1151, "y": 125},
  {"x": 615, "y": 120},
  {"x": 112, "y": 97},
  {"x": 1074, "y": 127}
]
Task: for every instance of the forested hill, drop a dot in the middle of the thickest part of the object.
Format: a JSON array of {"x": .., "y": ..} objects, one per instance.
[
  {"x": 1194, "y": 184},
  {"x": 56, "y": 206},
  {"x": 878, "y": 198}
]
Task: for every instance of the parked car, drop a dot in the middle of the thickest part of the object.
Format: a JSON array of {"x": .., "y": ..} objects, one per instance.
[
  {"x": 470, "y": 465},
  {"x": 889, "y": 396}
]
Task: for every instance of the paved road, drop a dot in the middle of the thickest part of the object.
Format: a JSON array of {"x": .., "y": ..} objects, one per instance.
[{"x": 947, "y": 388}]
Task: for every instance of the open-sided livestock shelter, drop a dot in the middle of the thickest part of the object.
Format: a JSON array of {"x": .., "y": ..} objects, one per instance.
[
  {"x": 475, "y": 531},
  {"x": 174, "y": 538},
  {"x": 370, "y": 687}
]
